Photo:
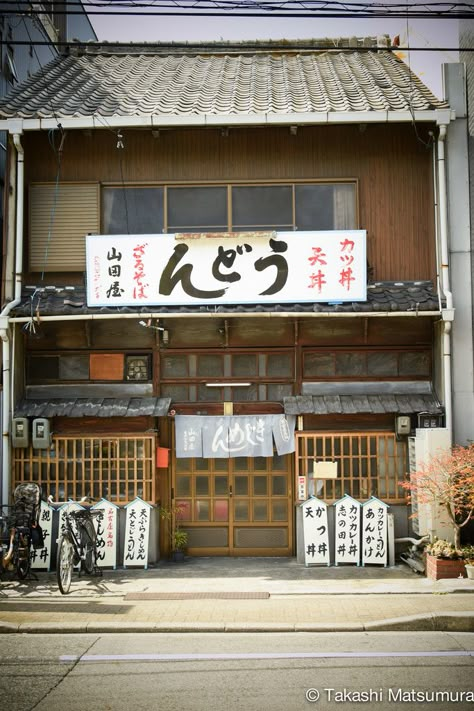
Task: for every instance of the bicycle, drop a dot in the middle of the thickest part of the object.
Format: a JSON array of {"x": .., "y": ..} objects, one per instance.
[
  {"x": 77, "y": 544},
  {"x": 18, "y": 528}
]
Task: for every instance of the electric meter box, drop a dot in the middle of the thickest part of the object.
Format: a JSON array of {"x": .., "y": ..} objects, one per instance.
[
  {"x": 403, "y": 425},
  {"x": 40, "y": 437},
  {"x": 20, "y": 432}
]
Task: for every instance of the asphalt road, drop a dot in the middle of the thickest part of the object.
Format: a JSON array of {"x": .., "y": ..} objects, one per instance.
[{"x": 237, "y": 672}]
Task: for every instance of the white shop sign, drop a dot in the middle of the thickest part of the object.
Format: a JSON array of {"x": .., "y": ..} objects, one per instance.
[
  {"x": 265, "y": 267},
  {"x": 347, "y": 531},
  {"x": 41, "y": 558},
  {"x": 137, "y": 533},
  {"x": 107, "y": 533},
  {"x": 374, "y": 532},
  {"x": 315, "y": 532}
]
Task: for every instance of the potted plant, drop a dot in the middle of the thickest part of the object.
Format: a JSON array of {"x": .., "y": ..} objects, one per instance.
[
  {"x": 444, "y": 560},
  {"x": 447, "y": 480},
  {"x": 177, "y": 538},
  {"x": 468, "y": 555},
  {"x": 180, "y": 540}
]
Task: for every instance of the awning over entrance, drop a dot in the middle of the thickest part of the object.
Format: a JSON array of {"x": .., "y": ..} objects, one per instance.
[
  {"x": 94, "y": 407},
  {"x": 350, "y": 398}
]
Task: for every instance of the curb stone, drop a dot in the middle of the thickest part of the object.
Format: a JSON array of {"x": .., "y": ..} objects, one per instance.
[{"x": 431, "y": 622}]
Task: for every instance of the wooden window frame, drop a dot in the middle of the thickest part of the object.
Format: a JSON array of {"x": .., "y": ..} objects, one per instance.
[
  {"x": 229, "y": 186},
  {"x": 399, "y": 352},
  {"x": 385, "y": 468},
  {"x": 227, "y": 392},
  {"x": 125, "y": 355},
  {"x": 94, "y": 466}
]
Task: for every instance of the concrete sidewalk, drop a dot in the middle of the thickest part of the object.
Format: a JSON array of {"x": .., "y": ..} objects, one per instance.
[{"x": 239, "y": 594}]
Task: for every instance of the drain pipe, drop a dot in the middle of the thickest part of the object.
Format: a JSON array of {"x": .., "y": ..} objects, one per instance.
[
  {"x": 4, "y": 321},
  {"x": 448, "y": 311}
]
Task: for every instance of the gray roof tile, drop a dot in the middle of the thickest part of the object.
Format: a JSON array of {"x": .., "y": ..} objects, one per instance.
[
  {"x": 217, "y": 80},
  {"x": 382, "y": 297},
  {"x": 94, "y": 407},
  {"x": 366, "y": 404}
]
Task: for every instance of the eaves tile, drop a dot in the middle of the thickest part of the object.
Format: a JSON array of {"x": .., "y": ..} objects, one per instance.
[{"x": 382, "y": 297}]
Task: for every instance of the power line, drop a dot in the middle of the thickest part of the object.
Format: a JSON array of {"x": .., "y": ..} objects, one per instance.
[{"x": 258, "y": 8}]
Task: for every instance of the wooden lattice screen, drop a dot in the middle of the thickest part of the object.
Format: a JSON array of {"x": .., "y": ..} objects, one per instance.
[
  {"x": 368, "y": 463},
  {"x": 116, "y": 468}
]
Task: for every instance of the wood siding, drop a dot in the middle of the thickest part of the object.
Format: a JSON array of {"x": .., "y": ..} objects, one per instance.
[
  {"x": 391, "y": 164},
  {"x": 202, "y": 333}
]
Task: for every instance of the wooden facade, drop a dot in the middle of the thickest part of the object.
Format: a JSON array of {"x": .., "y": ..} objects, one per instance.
[
  {"x": 392, "y": 170},
  {"x": 390, "y": 163}
]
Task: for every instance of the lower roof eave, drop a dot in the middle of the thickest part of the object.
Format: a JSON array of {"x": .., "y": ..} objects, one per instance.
[
  {"x": 228, "y": 314},
  {"x": 19, "y": 125}
]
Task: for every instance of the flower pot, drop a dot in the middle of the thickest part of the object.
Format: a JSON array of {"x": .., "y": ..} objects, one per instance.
[
  {"x": 177, "y": 556},
  {"x": 470, "y": 570},
  {"x": 442, "y": 568}
]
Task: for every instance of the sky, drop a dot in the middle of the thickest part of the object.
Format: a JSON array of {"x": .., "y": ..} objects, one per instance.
[{"x": 435, "y": 37}]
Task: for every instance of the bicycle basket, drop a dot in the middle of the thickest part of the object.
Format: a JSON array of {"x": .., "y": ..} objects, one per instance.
[{"x": 26, "y": 505}]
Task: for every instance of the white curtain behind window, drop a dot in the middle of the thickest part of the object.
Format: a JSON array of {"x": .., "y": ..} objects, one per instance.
[{"x": 344, "y": 207}]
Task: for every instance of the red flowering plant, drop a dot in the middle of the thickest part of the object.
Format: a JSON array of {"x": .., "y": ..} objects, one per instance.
[{"x": 447, "y": 479}]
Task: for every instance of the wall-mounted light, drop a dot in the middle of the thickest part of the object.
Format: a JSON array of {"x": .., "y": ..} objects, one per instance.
[
  {"x": 150, "y": 324},
  {"x": 165, "y": 334},
  {"x": 228, "y": 385},
  {"x": 293, "y": 130}
]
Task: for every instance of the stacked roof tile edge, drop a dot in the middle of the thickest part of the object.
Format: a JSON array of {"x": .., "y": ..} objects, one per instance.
[{"x": 382, "y": 297}]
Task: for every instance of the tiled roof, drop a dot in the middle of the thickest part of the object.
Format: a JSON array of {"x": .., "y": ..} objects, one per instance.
[
  {"x": 374, "y": 397},
  {"x": 415, "y": 296},
  {"x": 218, "y": 81},
  {"x": 360, "y": 404},
  {"x": 94, "y": 407}
]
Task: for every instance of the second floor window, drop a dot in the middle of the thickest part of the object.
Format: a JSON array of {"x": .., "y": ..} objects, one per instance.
[{"x": 221, "y": 208}]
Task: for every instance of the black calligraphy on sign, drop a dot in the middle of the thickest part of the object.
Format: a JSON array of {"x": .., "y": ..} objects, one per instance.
[
  {"x": 106, "y": 528},
  {"x": 374, "y": 532},
  {"x": 136, "y": 534},
  {"x": 115, "y": 271},
  {"x": 315, "y": 532},
  {"x": 226, "y": 258},
  {"x": 41, "y": 558},
  {"x": 347, "y": 531},
  {"x": 131, "y": 542},
  {"x": 100, "y": 540}
]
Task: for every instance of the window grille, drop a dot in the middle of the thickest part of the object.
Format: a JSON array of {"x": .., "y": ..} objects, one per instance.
[
  {"x": 368, "y": 464},
  {"x": 116, "y": 468}
]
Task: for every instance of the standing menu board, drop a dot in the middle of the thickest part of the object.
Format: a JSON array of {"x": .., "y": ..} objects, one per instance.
[
  {"x": 41, "y": 558},
  {"x": 347, "y": 546},
  {"x": 137, "y": 532},
  {"x": 107, "y": 534},
  {"x": 315, "y": 532},
  {"x": 374, "y": 532}
]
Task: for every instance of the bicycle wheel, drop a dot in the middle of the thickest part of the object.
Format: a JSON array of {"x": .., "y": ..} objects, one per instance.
[
  {"x": 64, "y": 564},
  {"x": 23, "y": 559}
]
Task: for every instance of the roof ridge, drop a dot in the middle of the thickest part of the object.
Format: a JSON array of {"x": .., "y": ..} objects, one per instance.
[{"x": 218, "y": 46}]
